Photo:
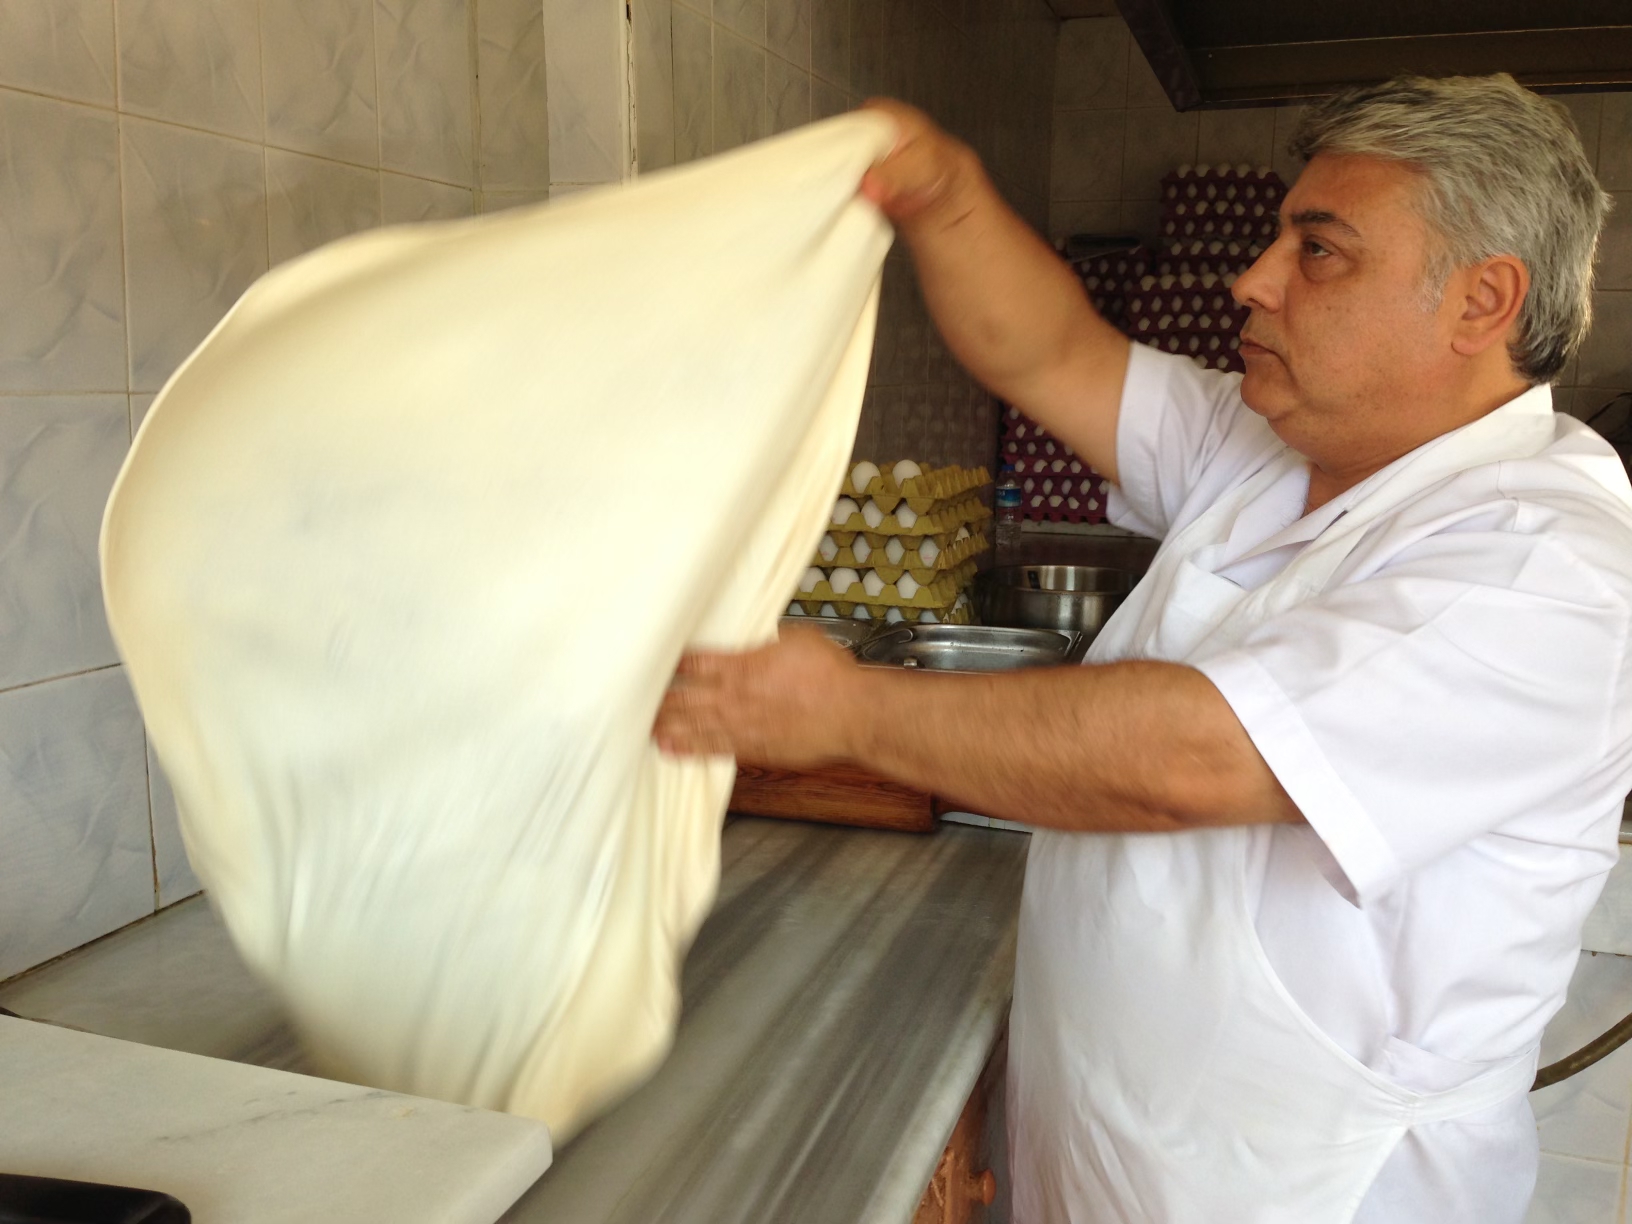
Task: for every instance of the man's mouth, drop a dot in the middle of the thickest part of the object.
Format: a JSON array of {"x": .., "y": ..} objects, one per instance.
[{"x": 1255, "y": 348}]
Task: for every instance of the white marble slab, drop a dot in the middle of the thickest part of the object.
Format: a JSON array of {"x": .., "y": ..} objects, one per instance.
[{"x": 250, "y": 1145}]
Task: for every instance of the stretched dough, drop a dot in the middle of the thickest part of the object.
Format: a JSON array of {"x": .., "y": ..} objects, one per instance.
[{"x": 400, "y": 564}]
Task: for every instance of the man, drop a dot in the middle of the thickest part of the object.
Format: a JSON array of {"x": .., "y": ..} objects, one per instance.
[{"x": 1323, "y": 817}]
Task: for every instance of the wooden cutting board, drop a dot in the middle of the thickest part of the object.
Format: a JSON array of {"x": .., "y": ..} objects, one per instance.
[{"x": 835, "y": 794}]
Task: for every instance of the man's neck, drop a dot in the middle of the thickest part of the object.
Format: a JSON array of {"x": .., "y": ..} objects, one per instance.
[{"x": 1329, "y": 481}]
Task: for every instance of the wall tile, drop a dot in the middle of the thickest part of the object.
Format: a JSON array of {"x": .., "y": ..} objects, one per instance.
[
  {"x": 515, "y": 127},
  {"x": 310, "y": 202},
  {"x": 787, "y": 94},
  {"x": 317, "y": 59},
  {"x": 195, "y": 238},
  {"x": 62, "y": 292},
  {"x": 1234, "y": 136},
  {"x": 1087, "y": 155},
  {"x": 745, "y": 17},
  {"x": 411, "y": 199},
  {"x": 1142, "y": 217},
  {"x": 1587, "y": 112},
  {"x": 654, "y": 85},
  {"x": 826, "y": 100},
  {"x": 739, "y": 91},
  {"x": 787, "y": 30},
  {"x": 867, "y": 47},
  {"x": 422, "y": 62},
  {"x": 196, "y": 62},
  {"x": 1143, "y": 87},
  {"x": 59, "y": 47},
  {"x": 1159, "y": 140},
  {"x": 1067, "y": 217},
  {"x": 583, "y": 47},
  {"x": 1606, "y": 357},
  {"x": 1589, "y": 1114},
  {"x": 78, "y": 858},
  {"x": 171, "y": 869},
  {"x": 1570, "y": 1191},
  {"x": 1615, "y": 142},
  {"x": 498, "y": 201},
  {"x": 1283, "y": 163},
  {"x": 693, "y": 86},
  {"x": 830, "y": 40},
  {"x": 1091, "y": 71},
  {"x": 1609, "y": 925},
  {"x": 139, "y": 404},
  {"x": 1614, "y": 269},
  {"x": 58, "y": 457}
]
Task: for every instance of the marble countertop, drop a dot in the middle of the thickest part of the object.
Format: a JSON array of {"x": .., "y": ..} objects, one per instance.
[{"x": 840, "y": 1003}]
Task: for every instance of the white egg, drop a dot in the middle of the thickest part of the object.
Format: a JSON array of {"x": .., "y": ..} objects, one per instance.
[
  {"x": 862, "y": 475},
  {"x": 827, "y": 609},
  {"x": 843, "y": 510},
  {"x": 794, "y": 610},
  {"x": 894, "y": 616},
  {"x": 828, "y": 548},
  {"x": 872, "y": 584},
  {"x": 927, "y": 552},
  {"x": 907, "y": 585},
  {"x": 861, "y": 613},
  {"x": 905, "y": 471},
  {"x": 894, "y": 550},
  {"x": 871, "y": 514},
  {"x": 811, "y": 578},
  {"x": 842, "y": 579},
  {"x": 929, "y": 618},
  {"x": 861, "y": 550},
  {"x": 906, "y": 515},
  {"x": 963, "y": 534}
]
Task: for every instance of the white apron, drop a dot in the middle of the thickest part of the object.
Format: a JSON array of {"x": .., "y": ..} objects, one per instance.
[{"x": 1160, "y": 1072}]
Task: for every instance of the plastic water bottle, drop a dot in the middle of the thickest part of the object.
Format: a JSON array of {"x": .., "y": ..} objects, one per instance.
[{"x": 1007, "y": 505}]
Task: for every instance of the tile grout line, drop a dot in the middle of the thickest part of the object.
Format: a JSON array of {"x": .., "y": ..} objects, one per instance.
[{"x": 73, "y": 675}]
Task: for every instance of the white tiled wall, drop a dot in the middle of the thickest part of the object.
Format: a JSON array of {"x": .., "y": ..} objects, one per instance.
[
  {"x": 1116, "y": 134},
  {"x": 713, "y": 74},
  {"x": 1585, "y": 1122},
  {"x": 158, "y": 157}
]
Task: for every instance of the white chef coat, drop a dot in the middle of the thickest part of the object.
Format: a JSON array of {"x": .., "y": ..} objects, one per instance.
[{"x": 1453, "y": 716}]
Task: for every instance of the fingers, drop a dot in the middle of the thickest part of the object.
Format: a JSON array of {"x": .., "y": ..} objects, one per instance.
[
  {"x": 689, "y": 724},
  {"x": 917, "y": 174}
]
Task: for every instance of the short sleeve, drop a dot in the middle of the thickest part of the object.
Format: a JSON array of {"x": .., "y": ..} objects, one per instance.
[
  {"x": 1473, "y": 681},
  {"x": 1182, "y": 432}
]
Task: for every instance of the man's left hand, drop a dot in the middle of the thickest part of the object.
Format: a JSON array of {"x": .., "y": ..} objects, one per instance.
[{"x": 788, "y": 705}]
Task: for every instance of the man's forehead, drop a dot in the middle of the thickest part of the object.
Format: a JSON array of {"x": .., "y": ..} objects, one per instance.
[{"x": 1352, "y": 193}]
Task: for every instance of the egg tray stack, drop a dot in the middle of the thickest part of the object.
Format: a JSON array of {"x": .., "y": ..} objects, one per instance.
[
  {"x": 1215, "y": 221},
  {"x": 899, "y": 549},
  {"x": 1055, "y": 485}
]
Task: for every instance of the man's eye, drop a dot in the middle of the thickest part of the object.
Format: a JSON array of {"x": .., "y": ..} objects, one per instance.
[{"x": 1311, "y": 247}]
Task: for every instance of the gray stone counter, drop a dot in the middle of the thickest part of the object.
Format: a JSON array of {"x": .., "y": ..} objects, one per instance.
[{"x": 840, "y": 1002}]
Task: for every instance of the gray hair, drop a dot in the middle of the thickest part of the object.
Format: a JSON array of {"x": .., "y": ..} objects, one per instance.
[{"x": 1503, "y": 173}]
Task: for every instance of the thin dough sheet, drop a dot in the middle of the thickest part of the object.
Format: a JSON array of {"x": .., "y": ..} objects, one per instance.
[{"x": 400, "y": 564}]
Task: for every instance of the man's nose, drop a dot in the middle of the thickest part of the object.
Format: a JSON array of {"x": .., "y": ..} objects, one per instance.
[{"x": 1261, "y": 286}]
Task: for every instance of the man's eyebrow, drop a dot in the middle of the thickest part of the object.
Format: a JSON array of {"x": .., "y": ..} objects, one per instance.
[{"x": 1319, "y": 216}]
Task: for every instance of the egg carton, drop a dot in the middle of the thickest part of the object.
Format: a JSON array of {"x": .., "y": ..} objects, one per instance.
[
  {"x": 923, "y": 492},
  {"x": 936, "y": 522},
  {"x": 960, "y": 613},
  {"x": 860, "y": 553},
  {"x": 942, "y": 592}
]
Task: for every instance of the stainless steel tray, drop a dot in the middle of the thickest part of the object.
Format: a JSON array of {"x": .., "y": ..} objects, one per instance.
[
  {"x": 847, "y": 633},
  {"x": 972, "y": 648}
]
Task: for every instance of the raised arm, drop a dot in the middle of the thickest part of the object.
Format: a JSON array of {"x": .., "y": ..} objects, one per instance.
[{"x": 1008, "y": 307}]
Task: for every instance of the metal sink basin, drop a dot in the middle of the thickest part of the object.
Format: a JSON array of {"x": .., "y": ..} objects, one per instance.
[
  {"x": 847, "y": 633},
  {"x": 972, "y": 648}
]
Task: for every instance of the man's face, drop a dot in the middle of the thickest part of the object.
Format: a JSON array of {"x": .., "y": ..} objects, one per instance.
[{"x": 1341, "y": 349}]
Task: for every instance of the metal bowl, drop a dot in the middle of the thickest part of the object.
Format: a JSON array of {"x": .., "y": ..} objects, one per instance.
[
  {"x": 971, "y": 648},
  {"x": 1078, "y": 598},
  {"x": 847, "y": 633}
]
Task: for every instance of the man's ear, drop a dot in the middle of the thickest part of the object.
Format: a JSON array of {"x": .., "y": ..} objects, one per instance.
[{"x": 1491, "y": 294}]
